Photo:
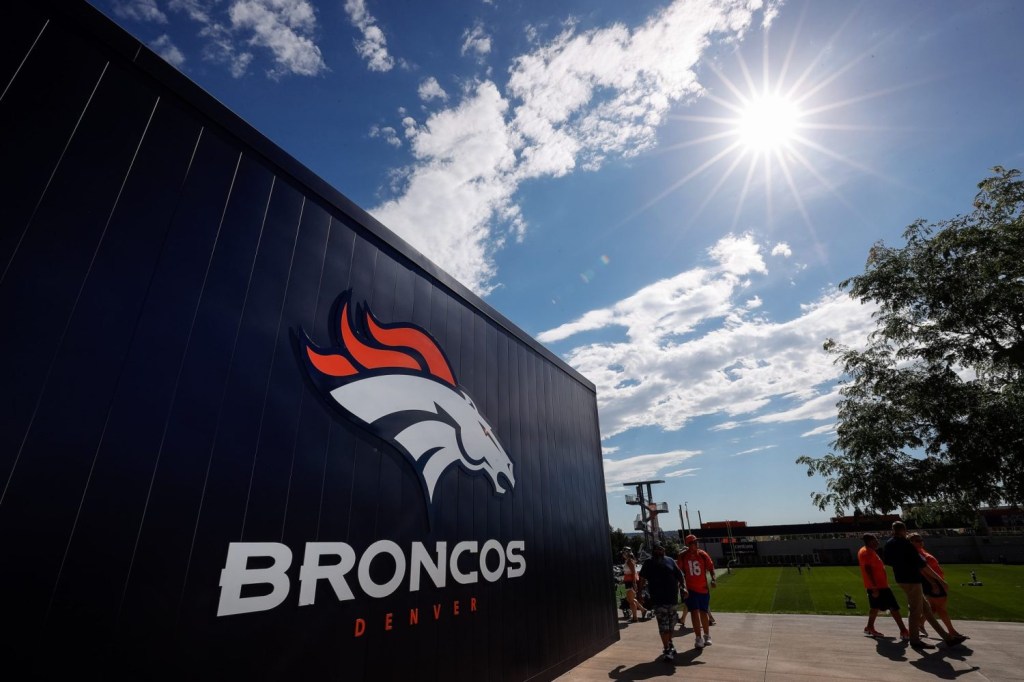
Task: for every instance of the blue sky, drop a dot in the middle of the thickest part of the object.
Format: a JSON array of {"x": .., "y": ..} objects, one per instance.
[{"x": 664, "y": 193}]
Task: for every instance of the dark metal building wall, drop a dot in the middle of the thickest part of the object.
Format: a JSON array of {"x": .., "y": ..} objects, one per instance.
[{"x": 156, "y": 262}]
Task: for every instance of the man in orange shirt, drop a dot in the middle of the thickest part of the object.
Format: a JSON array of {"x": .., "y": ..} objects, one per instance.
[
  {"x": 880, "y": 597},
  {"x": 696, "y": 565}
]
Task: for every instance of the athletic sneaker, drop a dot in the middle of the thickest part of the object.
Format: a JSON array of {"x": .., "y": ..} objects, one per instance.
[
  {"x": 918, "y": 644},
  {"x": 707, "y": 640},
  {"x": 699, "y": 642},
  {"x": 871, "y": 632},
  {"x": 669, "y": 654},
  {"x": 904, "y": 635}
]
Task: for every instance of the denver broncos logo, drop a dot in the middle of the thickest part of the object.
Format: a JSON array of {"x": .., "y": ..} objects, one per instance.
[{"x": 396, "y": 380}]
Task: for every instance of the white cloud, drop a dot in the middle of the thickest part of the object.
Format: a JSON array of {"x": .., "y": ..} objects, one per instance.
[
  {"x": 688, "y": 473},
  {"x": 459, "y": 185},
  {"x": 755, "y": 302},
  {"x": 670, "y": 368},
  {"x": 139, "y": 10},
  {"x": 283, "y": 27},
  {"x": 782, "y": 249},
  {"x": 753, "y": 450},
  {"x": 386, "y": 133},
  {"x": 674, "y": 306},
  {"x": 168, "y": 51},
  {"x": 819, "y": 431},
  {"x": 817, "y": 407},
  {"x": 373, "y": 47},
  {"x": 431, "y": 89},
  {"x": 574, "y": 102},
  {"x": 643, "y": 467},
  {"x": 476, "y": 41}
]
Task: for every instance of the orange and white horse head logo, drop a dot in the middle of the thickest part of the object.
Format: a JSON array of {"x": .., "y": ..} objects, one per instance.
[{"x": 396, "y": 380}]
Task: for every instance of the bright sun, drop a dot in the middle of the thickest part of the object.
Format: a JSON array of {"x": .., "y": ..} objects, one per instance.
[{"x": 767, "y": 124}]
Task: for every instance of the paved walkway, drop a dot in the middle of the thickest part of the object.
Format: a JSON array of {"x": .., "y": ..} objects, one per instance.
[{"x": 750, "y": 646}]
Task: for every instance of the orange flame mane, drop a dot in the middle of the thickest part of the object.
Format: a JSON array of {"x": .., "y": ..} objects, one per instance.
[{"x": 394, "y": 347}]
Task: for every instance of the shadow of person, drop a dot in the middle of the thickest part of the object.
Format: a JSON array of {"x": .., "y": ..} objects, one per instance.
[
  {"x": 937, "y": 663},
  {"x": 894, "y": 650},
  {"x": 648, "y": 671}
]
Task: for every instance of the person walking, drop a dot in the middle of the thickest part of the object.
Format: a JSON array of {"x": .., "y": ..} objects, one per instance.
[
  {"x": 937, "y": 595},
  {"x": 663, "y": 578},
  {"x": 912, "y": 572},
  {"x": 876, "y": 582},
  {"x": 697, "y": 567},
  {"x": 629, "y": 579}
]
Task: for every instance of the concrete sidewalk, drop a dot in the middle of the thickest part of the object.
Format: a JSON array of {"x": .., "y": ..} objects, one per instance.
[{"x": 767, "y": 647}]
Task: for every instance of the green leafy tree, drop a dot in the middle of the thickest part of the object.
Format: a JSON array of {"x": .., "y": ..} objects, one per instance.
[{"x": 933, "y": 407}]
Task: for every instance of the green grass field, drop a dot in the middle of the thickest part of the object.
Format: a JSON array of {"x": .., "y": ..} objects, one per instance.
[{"x": 820, "y": 591}]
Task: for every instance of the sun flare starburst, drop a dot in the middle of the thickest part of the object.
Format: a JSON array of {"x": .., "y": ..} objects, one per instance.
[
  {"x": 768, "y": 123},
  {"x": 769, "y": 131}
]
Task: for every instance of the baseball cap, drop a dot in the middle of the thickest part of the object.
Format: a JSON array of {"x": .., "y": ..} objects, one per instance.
[{"x": 691, "y": 538}]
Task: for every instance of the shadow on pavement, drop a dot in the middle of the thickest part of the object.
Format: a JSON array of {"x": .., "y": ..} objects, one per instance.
[
  {"x": 894, "y": 650},
  {"x": 653, "y": 669},
  {"x": 936, "y": 663}
]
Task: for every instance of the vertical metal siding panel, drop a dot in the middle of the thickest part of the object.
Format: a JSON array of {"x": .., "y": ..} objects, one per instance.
[
  {"x": 162, "y": 555},
  {"x": 392, "y": 462},
  {"x": 137, "y": 421},
  {"x": 21, "y": 28},
  {"x": 471, "y": 485},
  {"x": 489, "y": 507},
  {"x": 407, "y": 519},
  {"x": 335, "y": 505},
  {"x": 43, "y": 289},
  {"x": 38, "y": 115},
  {"x": 499, "y": 643},
  {"x": 402, "y": 517},
  {"x": 135, "y": 424},
  {"x": 581, "y": 490},
  {"x": 594, "y": 590},
  {"x": 542, "y": 509},
  {"x": 267, "y": 643},
  {"x": 593, "y": 434},
  {"x": 561, "y": 551},
  {"x": 512, "y": 636},
  {"x": 585, "y": 489},
  {"x": 427, "y": 646},
  {"x": 365, "y": 474},
  {"x": 534, "y": 470},
  {"x": 111, "y": 308},
  {"x": 222, "y": 506},
  {"x": 444, "y": 326},
  {"x": 386, "y": 486},
  {"x": 476, "y": 493},
  {"x": 261, "y": 523},
  {"x": 310, "y": 449}
]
